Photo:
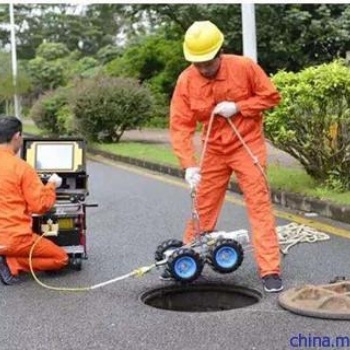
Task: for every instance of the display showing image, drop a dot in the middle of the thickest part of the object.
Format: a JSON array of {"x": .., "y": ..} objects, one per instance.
[{"x": 54, "y": 156}]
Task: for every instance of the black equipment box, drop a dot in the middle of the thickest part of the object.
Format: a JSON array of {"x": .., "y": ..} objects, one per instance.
[{"x": 65, "y": 223}]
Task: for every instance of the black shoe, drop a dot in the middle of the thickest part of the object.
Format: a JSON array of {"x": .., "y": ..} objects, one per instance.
[
  {"x": 272, "y": 283},
  {"x": 338, "y": 279},
  {"x": 166, "y": 276},
  {"x": 5, "y": 273}
]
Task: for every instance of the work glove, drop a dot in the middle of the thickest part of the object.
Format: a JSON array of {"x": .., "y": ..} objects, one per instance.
[
  {"x": 55, "y": 179},
  {"x": 193, "y": 176},
  {"x": 226, "y": 109}
]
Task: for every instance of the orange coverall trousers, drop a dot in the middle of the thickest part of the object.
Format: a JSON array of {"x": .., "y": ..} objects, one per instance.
[
  {"x": 216, "y": 172},
  {"x": 46, "y": 255}
]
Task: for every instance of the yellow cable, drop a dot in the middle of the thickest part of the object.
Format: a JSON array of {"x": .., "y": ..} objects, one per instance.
[
  {"x": 76, "y": 289},
  {"x": 137, "y": 272}
]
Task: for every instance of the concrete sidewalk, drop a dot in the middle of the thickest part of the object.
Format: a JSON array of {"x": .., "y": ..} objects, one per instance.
[{"x": 161, "y": 136}]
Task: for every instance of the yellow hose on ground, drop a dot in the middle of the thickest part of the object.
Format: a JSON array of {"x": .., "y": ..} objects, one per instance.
[{"x": 139, "y": 272}]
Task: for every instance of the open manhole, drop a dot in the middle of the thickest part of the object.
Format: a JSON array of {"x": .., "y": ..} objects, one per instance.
[{"x": 201, "y": 297}]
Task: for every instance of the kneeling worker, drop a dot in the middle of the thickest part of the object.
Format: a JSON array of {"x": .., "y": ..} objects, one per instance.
[{"x": 21, "y": 194}]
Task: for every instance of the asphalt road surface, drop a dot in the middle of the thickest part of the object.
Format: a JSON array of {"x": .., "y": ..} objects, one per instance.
[{"x": 137, "y": 210}]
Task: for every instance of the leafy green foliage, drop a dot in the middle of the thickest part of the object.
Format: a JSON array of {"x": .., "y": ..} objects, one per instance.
[
  {"x": 157, "y": 60},
  {"x": 48, "y": 70},
  {"x": 108, "y": 53},
  {"x": 105, "y": 107},
  {"x": 52, "y": 114},
  {"x": 55, "y": 66},
  {"x": 86, "y": 29},
  {"x": 52, "y": 51},
  {"x": 289, "y": 36},
  {"x": 313, "y": 121},
  {"x": 147, "y": 58},
  {"x": 81, "y": 67},
  {"x": 293, "y": 37},
  {"x": 46, "y": 75},
  {"x": 7, "y": 86}
]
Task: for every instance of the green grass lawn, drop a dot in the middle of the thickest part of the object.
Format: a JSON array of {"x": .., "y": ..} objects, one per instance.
[
  {"x": 31, "y": 129},
  {"x": 287, "y": 179},
  {"x": 154, "y": 153},
  {"x": 293, "y": 180},
  {"x": 297, "y": 180}
]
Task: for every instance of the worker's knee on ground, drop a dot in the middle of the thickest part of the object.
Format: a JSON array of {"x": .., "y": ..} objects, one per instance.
[
  {"x": 60, "y": 264},
  {"x": 56, "y": 265},
  {"x": 62, "y": 261},
  {"x": 65, "y": 260}
]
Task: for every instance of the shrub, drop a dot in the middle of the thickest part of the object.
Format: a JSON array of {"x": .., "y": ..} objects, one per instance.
[
  {"x": 313, "y": 121},
  {"x": 52, "y": 51},
  {"x": 104, "y": 107},
  {"x": 52, "y": 114},
  {"x": 160, "y": 111},
  {"x": 83, "y": 65},
  {"x": 108, "y": 53}
]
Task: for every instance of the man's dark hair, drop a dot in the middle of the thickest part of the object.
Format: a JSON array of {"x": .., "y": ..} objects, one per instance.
[{"x": 9, "y": 126}]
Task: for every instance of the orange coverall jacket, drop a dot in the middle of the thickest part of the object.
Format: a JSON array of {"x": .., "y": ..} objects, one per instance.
[
  {"x": 239, "y": 80},
  {"x": 21, "y": 194},
  {"x": 242, "y": 81}
]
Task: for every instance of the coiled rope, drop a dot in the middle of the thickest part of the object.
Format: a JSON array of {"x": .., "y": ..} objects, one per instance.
[{"x": 293, "y": 233}]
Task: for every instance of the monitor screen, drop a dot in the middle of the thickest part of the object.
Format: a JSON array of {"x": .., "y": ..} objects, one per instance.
[{"x": 54, "y": 156}]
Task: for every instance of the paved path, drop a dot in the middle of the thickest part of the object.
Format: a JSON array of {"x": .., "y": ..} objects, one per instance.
[{"x": 159, "y": 136}]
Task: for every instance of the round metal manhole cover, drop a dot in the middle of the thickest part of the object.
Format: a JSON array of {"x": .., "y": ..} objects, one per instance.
[
  {"x": 201, "y": 297},
  {"x": 323, "y": 301}
]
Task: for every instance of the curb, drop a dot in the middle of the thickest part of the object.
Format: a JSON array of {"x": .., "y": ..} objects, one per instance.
[{"x": 283, "y": 198}]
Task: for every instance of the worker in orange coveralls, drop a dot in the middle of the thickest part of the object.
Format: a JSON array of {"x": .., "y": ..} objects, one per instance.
[
  {"x": 21, "y": 193},
  {"x": 235, "y": 87}
]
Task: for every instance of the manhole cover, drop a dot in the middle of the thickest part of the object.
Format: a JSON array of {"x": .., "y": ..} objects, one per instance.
[
  {"x": 201, "y": 297},
  {"x": 323, "y": 301}
]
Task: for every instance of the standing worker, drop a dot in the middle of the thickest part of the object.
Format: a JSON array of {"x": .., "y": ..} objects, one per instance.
[
  {"x": 236, "y": 88},
  {"x": 21, "y": 194}
]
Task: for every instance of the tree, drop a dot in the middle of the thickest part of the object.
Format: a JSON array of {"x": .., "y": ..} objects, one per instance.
[
  {"x": 149, "y": 57},
  {"x": 86, "y": 29},
  {"x": 48, "y": 69},
  {"x": 293, "y": 37},
  {"x": 175, "y": 19},
  {"x": 108, "y": 53},
  {"x": 7, "y": 87},
  {"x": 290, "y": 36}
]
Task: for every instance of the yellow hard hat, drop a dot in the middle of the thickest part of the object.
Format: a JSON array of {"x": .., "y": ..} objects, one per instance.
[{"x": 203, "y": 39}]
